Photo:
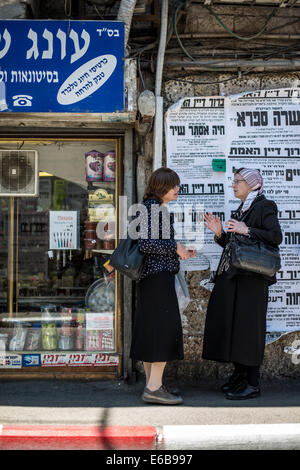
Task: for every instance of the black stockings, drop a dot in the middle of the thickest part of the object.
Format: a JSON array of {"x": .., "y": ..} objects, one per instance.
[{"x": 251, "y": 373}]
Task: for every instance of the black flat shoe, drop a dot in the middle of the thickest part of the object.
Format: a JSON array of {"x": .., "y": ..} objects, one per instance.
[
  {"x": 234, "y": 380},
  {"x": 243, "y": 391}
]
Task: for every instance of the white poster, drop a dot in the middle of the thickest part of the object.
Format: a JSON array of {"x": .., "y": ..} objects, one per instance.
[
  {"x": 64, "y": 230},
  {"x": 255, "y": 130},
  {"x": 265, "y": 134},
  {"x": 195, "y": 132}
]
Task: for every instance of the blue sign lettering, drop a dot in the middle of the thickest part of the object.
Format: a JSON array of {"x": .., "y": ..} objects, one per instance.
[{"x": 61, "y": 66}]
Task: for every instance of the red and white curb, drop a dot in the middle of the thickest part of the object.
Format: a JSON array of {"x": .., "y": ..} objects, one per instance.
[
  {"x": 195, "y": 437},
  {"x": 73, "y": 437}
]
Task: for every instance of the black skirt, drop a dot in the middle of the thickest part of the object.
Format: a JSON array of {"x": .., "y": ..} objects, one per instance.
[
  {"x": 157, "y": 330},
  {"x": 235, "y": 327}
]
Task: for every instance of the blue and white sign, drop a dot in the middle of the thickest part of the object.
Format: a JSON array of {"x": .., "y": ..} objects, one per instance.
[
  {"x": 31, "y": 360},
  {"x": 61, "y": 66}
]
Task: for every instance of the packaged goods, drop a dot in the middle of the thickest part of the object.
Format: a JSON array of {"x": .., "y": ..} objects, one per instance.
[
  {"x": 3, "y": 341},
  {"x": 100, "y": 196},
  {"x": 49, "y": 331},
  {"x": 33, "y": 340},
  {"x": 79, "y": 336},
  {"x": 109, "y": 167},
  {"x": 49, "y": 336},
  {"x": 94, "y": 166},
  {"x": 18, "y": 338},
  {"x": 65, "y": 341},
  {"x": 92, "y": 340},
  {"x": 90, "y": 237}
]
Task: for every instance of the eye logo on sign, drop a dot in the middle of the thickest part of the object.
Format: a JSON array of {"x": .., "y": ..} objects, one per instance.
[{"x": 22, "y": 100}]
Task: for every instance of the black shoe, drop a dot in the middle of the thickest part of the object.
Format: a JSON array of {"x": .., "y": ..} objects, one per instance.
[
  {"x": 243, "y": 391},
  {"x": 234, "y": 380}
]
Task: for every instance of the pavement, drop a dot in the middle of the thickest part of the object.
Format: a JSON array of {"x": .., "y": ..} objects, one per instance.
[{"x": 109, "y": 414}]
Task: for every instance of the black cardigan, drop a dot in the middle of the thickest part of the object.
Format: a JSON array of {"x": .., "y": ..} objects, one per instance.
[{"x": 263, "y": 223}]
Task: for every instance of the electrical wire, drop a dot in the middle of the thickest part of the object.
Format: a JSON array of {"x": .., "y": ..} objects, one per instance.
[
  {"x": 68, "y": 11},
  {"x": 140, "y": 70},
  {"x": 243, "y": 38},
  {"x": 176, "y": 32}
]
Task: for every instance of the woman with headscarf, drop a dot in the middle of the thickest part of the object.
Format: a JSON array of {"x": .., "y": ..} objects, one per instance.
[{"x": 235, "y": 325}]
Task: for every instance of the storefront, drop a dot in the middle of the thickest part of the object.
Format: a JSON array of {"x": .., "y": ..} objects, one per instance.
[
  {"x": 60, "y": 308},
  {"x": 61, "y": 177}
]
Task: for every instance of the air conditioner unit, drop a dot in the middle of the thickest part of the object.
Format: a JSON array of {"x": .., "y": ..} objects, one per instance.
[{"x": 19, "y": 173}]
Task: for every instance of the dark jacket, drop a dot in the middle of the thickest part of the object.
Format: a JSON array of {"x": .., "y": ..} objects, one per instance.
[
  {"x": 263, "y": 222},
  {"x": 235, "y": 326},
  {"x": 161, "y": 248}
]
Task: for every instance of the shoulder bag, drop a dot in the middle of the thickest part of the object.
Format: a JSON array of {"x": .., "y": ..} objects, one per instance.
[
  {"x": 254, "y": 256},
  {"x": 128, "y": 259}
]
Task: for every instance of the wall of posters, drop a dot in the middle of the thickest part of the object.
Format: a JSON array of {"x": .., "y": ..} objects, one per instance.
[
  {"x": 255, "y": 130},
  {"x": 195, "y": 133}
]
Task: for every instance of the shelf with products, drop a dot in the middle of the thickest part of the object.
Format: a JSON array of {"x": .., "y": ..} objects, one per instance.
[{"x": 63, "y": 329}]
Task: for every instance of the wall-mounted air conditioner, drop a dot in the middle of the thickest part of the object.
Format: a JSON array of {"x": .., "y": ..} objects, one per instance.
[{"x": 19, "y": 173}]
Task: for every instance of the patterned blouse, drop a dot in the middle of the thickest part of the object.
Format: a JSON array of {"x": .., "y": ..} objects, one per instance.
[{"x": 160, "y": 249}]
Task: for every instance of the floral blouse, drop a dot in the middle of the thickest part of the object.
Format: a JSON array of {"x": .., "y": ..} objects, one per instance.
[{"x": 160, "y": 249}]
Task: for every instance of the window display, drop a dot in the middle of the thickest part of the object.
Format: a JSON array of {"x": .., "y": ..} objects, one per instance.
[{"x": 62, "y": 301}]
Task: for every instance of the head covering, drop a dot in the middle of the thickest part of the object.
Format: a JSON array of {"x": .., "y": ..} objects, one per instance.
[{"x": 253, "y": 178}]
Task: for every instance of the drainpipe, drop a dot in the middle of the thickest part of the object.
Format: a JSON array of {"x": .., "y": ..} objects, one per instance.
[
  {"x": 158, "y": 122},
  {"x": 125, "y": 14}
]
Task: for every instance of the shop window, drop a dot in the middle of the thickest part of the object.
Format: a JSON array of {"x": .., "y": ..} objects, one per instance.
[{"x": 58, "y": 296}]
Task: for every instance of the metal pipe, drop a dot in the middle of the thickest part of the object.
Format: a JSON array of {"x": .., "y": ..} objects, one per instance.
[
  {"x": 11, "y": 230},
  {"x": 158, "y": 122},
  {"x": 228, "y": 36},
  {"x": 125, "y": 14},
  {"x": 221, "y": 64}
]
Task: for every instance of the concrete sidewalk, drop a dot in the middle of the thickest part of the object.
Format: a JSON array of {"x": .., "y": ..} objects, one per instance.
[{"x": 111, "y": 414}]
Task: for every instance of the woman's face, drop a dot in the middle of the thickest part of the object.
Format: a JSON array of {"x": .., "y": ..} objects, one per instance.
[
  {"x": 240, "y": 187},
  {"x": 171, "y": 195}
]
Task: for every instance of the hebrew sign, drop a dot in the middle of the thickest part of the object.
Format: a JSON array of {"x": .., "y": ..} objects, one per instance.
[{"x": 61, "y": 66}]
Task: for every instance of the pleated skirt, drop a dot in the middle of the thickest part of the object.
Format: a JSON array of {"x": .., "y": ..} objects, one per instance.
[{"x": 157, "y": 331}]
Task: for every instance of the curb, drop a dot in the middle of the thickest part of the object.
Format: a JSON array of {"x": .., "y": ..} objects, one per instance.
[
  {"x": 180, "y": 437},
  {"x": 42, "y": 437},
  {"x": 232, "y": 437}
]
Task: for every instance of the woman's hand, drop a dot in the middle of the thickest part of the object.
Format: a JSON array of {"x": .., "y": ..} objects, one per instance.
[
  {"x": 185, "y": 253},
  {"x": 237, "y": 227},
  {"x": 213, "y": 223}
]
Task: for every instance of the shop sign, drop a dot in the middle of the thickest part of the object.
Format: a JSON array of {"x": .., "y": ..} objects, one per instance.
[
  {"x": 10, "y": 361},
  {"x": 61, "y": 66},
  {"x": 31, "y": 360},
  {"x": 57, "y": 359}
]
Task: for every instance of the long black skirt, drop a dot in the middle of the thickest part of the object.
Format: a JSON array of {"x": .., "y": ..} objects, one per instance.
[
  {"x": 157, "y": 330},
  {"x": 235, "y": 327}
]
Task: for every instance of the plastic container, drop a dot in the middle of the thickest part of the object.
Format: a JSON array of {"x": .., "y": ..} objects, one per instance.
[
  {"x": 109, "y": 166},
  {"x": 94, "y": 166}
]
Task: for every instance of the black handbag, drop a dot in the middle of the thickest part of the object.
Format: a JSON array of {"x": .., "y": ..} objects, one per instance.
[
  {"x": 254, "y": 256},
  {"x": 128, "y": 259}
]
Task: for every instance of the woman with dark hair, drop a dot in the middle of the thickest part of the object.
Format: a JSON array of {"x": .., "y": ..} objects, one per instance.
[
  {"x": 157, "y": 332},
  {"x": 235, "y": 325}
]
